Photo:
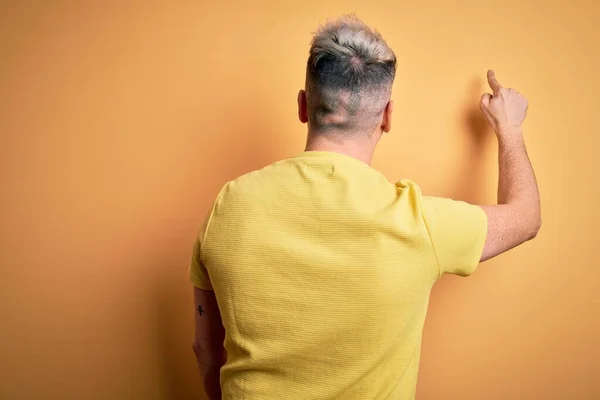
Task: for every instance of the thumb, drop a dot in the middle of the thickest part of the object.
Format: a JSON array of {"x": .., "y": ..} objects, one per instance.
[{"x": 485, "y": 101}]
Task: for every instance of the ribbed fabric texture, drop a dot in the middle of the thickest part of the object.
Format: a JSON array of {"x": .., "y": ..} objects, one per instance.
[{"x": 322, "y": 270}]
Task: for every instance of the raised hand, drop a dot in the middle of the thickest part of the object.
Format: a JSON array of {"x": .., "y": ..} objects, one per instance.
[{"x": 505, "y": 109}]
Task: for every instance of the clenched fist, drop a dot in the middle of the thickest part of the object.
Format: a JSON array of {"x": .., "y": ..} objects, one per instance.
[{"x": 505, "y": 109}]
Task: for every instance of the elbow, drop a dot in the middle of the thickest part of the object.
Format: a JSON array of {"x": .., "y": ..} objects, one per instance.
[
  {"x": 205, "y": 355},
  {"x": 535, "y": 228},
  {"x": 198, "y": 350}
]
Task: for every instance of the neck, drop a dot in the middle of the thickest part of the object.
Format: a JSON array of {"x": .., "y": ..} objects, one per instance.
[{"x": 360, "y": 149}]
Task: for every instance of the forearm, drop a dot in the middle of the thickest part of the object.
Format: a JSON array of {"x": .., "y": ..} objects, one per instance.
[
  {"x": 210, "y": 363},
  {"x": 517, "y": 186},
  {"x": 211, "y": 382}
]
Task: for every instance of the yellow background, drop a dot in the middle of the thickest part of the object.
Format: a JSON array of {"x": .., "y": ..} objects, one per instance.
[{"x": 120, "y": 121}]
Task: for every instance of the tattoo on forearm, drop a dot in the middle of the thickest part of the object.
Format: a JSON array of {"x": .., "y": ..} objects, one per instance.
[{"x": 200, "y": 310}]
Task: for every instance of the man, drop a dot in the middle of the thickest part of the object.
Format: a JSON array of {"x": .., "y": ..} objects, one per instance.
[{"x": 312, "y": 276}]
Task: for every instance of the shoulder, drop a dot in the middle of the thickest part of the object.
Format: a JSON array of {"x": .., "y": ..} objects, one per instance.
[
  {"x": 408, "y": 189},
  {"x": 255, "y": 183},
  {"x": 408, "y": 185}
]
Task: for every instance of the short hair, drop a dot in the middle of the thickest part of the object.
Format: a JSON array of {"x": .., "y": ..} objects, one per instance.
[{"x": 349, "y": 77}]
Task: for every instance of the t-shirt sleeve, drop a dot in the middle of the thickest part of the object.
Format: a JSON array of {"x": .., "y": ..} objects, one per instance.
[
  {"x": 458, "y": 231},
  {"x": 197, "y": 271}
]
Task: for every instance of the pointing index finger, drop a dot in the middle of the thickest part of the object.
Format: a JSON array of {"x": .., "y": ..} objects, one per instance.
[{"x": 493, "y": 82}]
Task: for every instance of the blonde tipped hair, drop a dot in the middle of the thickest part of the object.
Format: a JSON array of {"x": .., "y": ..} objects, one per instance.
[
  {"x": 349, "y": 77},
  {"x": 351, "y": 37}
]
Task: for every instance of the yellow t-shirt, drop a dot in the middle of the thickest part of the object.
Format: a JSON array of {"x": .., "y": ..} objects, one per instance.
[{"x": 322, "y": 270}]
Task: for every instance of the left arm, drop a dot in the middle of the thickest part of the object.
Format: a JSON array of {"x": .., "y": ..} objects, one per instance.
[{"x": 208, "y": 342}]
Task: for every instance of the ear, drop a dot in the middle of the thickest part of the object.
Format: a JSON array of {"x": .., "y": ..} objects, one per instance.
[
  {"x": 302, "y": 111},
  {"x": 386, "y": 123}
]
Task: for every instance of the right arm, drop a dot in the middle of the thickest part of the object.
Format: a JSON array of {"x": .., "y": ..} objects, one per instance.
[{"x": 517, "y": 216}]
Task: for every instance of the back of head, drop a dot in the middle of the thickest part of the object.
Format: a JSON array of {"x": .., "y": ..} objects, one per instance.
[{"x": 349, "y": 78}]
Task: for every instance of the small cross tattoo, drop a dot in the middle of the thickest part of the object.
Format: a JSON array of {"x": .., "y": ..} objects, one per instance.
[{"x": 200, "y": 310}]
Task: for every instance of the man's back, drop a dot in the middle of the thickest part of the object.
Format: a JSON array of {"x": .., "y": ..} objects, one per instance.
[
  {"x": 321, "y": 268},
  {"x": 322, "y": 271}
]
